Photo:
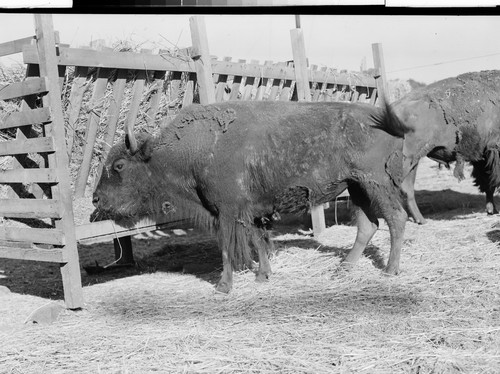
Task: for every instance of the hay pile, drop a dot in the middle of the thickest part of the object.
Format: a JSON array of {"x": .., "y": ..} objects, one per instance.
[{"x": 441, "y": 315}]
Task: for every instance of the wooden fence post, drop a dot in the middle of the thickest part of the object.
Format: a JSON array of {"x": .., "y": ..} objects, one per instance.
[
  {"x": 202, "y": 60},
  {"x": 380, "y": 77},
  {"x": 304, "y": 94},
  {"x": 70, "y": 269}
]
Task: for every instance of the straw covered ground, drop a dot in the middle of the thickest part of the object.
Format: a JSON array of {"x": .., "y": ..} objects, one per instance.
[{"x": 440, "y": 315}]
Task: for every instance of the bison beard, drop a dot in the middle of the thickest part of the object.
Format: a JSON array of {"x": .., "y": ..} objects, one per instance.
[
  {"x": 235, "y": 166},
  {"x": 455, "y": 119}
]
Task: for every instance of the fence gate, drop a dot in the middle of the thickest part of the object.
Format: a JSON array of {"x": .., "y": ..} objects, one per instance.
[{"x": 40, "y": 161}]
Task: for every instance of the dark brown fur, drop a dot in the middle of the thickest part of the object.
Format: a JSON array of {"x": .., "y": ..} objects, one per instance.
[{"x": 227, "y": 164}]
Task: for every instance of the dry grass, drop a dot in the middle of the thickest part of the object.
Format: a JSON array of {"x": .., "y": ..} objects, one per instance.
[{"x": 441, "y": 315}]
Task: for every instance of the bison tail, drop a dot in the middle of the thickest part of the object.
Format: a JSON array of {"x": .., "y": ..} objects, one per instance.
[
  {"x": 493, "y": 165},
  {"x": 234, "y": 237},
  {"x": 388, "y": 121}
]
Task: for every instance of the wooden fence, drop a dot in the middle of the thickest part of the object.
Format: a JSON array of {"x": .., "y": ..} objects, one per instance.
[{"x": 102, "y": 91}]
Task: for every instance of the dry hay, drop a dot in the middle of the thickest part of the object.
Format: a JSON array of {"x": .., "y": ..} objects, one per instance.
[{"x": 441, "y": 315}]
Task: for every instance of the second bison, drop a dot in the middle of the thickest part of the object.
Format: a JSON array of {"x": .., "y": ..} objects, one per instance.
[
  {"x": 455, "y": 119},
  {"x": 227, "y": 164}
]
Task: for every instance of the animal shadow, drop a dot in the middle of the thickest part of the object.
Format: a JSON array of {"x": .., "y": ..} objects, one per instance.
[
  {"x": 372, "y": 252},
  {"x": 494, "y": 235}
]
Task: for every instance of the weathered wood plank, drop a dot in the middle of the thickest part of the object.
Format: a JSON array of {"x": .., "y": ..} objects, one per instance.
[
  {"x": 14, "y": 46},
  {"x": 75, "y": 103},
  {"x": 28, "y": 87},
  {"x": 237, "y": 82},
  {"x": 111, "y": 59},
  {"x": 22, "y": 234},
  {"x": 221, "y": 84},
  {"x": 113, "y": 116},
  {"x": 273, "y": 96},
  {"x": 33, "y": 253},
  {"x": 91, "y": 130},
  {"x": 25, "y": 118},
  {"x": 189, "y": 90},
  {"x": 137, "y": 93},
  {"x": 70, "y": 270},
  {"x": 261, "y": 89},
  {"x": 202, "y": 60},
  {"x": 250, "y": 84},
  {"x": 28, "y": 176},
  {"x": 300, "y": 65},
  {"x": 156, "y": 92},
  {"x": 24, "y": 146},
  {"x": 29, "y": 208},
  {"x": 379, "y": 63}
]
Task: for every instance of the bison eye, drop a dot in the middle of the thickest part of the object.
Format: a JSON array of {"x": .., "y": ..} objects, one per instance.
[{"x": 119, "y": 165}]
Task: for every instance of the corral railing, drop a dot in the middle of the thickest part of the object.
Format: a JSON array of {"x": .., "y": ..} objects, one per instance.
[
  {"x": 39, "y": 151},
  {"x": 103, "y": 90}
]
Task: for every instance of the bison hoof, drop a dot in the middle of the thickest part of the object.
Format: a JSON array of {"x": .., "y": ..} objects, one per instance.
[
  {"x": 262, "y": 277},
  {"x": 223, "y": 287},
  {"x": 343, "y": 269},
  {"x": 490, "y": 209},
  {"x": 391, "y": 270}
]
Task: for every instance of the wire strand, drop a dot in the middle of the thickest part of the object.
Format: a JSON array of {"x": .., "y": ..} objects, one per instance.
[{"x": 443, "y": 62}]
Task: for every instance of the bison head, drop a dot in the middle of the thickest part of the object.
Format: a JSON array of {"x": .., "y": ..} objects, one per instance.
[{"x": 126, "y": 187}]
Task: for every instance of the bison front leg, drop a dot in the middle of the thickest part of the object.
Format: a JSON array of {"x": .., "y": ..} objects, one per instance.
[
  {"x": 490, "y": 202},
  {"x": 408, "y": 187},
  {"x": 226, "y": 282}
]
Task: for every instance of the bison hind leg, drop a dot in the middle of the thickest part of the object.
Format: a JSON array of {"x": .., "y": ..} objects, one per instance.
[
  {"x": 367, "y": 224},
  {"x": 261, "y": 240}
]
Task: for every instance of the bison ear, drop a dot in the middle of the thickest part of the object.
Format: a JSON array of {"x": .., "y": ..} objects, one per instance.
[{"x": 146, "y": 149}]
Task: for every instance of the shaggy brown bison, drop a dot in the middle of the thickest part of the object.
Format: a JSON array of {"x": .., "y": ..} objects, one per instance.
[
  {"x": 235, "y": 164},
  {"x": 455, "y": 119}
]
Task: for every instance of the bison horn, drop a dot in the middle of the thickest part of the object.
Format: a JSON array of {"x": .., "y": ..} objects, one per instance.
[{"x": 130, "y": 140}]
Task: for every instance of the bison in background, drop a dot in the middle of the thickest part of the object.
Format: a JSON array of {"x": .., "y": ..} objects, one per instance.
[
  {"x": 231, "y": 164},
  {"x": 455, "y": 119}
]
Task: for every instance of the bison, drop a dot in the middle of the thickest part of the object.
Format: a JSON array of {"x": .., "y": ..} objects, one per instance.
[
  {"x": 234, "y": 166},
  {"x": 455, "y": 119}
]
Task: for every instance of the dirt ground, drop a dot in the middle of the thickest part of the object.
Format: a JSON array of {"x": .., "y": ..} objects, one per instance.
[{"x": 172, "y": 273}]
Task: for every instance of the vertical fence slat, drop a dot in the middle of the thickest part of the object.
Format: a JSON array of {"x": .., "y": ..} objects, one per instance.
[
  {"x": 157, "y": 89},
  {"x": 380, "y": 77},
  {"x": 189, "y": 90},
  {"x": 263, "y": 82},
  {"x": 113, "y": 115},
  {"x": 315, "y": 85},
  {"x": 175, "y": 87},
  {"x": 202, "y": 60},
  {"x": 91, "y": 130},
  {"x": 75, "y": 103},
  {"x": 300, "y": 65},
  {"x": 322, "y": 90},
  {"x": 273, "y": 96},
  {"x": 70, "y": 270},
  {"x": 250, "y": 83},
  {"x": 237, "y": 82},
  {"x": 221, "y": 84}
]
